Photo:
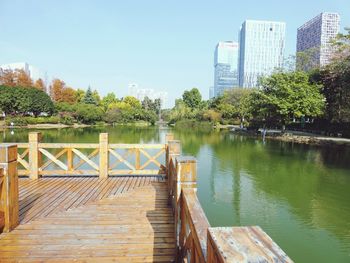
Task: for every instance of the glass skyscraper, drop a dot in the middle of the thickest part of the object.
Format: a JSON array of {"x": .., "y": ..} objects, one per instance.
[
  {"x": 225, "y": 67},
  {"x": 315, "y": 38},
  {"x": 261, "y": 50}
]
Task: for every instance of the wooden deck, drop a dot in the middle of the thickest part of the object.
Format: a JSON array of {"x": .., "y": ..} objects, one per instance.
[{"x": 119, "y": 219}]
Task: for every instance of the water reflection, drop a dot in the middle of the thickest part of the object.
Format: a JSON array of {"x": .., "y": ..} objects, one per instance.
[{"x": 299, "y": 194}]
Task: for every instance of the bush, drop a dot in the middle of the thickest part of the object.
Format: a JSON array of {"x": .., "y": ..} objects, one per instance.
[
  {"x": 88, "y": 113},
  {"x": 23, "y": 121}
]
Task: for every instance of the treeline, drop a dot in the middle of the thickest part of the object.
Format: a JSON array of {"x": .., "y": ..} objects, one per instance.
[
  {"x": 314, "y": 100},
  {"x": 23, "y": 102}
]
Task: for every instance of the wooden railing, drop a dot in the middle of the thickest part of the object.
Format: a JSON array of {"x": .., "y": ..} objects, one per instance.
[
  {"x": 196, "y": 240},
  {"x": 103, "y": 159},
  {"x": 8, "y": 188}
]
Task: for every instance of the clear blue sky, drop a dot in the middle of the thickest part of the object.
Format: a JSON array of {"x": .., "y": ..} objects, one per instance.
[{"x": 164, "y": 45}]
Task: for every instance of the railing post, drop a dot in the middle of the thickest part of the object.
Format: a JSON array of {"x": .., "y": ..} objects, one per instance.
[
  {"x": 9, "y": 187},
  {"x": 173, "y": 150},
  {"x": 34, "y": 154},
  {"x": 186, "y": 177},
  {"x": 104, "y": 156},
  {"x": 169, "y": 137}
]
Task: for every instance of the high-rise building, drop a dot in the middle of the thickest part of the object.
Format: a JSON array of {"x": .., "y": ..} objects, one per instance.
[
  {"x": 314, "y": 39},
  {"x": 225, "y": 66},
  {"x": 211, "y": 92},
  {"x": 261, "y": 50}
]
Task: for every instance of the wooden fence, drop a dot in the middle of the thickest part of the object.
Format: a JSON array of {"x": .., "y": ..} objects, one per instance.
[
  {"x": 102, "y": 159},
  {"x": 196, "y": 240}
]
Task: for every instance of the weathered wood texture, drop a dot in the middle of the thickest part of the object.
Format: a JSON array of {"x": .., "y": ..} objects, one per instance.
[
  {"x": 103, "y": 159},
  {"x": 133, "y": 226},
  {"x": 243, "y": 244},
  {"x": 46, "y": 196},
  {"x": 8, "y": 187}
]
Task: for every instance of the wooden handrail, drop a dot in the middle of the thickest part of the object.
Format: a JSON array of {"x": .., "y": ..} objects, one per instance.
[
  {"x": 196, "y": 240},
  {"x": 193, "y": 227},
  {"x": 103, "y": 159}
]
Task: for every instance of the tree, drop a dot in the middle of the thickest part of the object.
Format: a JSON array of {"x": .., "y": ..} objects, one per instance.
[
  {"x": 8, "y": 78},
  {"x": 192, "y": 98},
  {"x": 107, "y": 100},
  {"x": 88, "y": 113},
  {"x": 88, "y": 97},
  {"x": 40, "y": 102},
  {"x": 21, "y": 101},
  {"x": 56, "y": 90},
  {"x": 285, "y": 96},
  {"x": 68, "y": 95},
  {"x": 79, "y": 95},
  {"x": 147, "y": 103},
  {"x": 113, "y": 116},
  {"x": 96, "y": 97},
  {"x": 132, "y": 101},
  {"x": 23, "y": 79},
  {"x": 39, "y": 84}
]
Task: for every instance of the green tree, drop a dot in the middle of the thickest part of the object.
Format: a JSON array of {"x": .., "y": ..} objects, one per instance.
[
  {"x": 132, "y": 101},
  {"x": 107, "y": 100},
  {"x": 88, "y": 97},
  {"x": 88, "y": 113},
  {"x": 192, "y": 98},
  {"x": 285, "y": 96},
  {"x": 40, "y": 102}
]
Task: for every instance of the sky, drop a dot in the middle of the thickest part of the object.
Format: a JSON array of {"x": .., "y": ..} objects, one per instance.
[{"x": 161, "y": 45}]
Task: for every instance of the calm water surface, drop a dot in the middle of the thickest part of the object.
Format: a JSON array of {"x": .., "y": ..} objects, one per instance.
[{"x": 299, "y": 194}]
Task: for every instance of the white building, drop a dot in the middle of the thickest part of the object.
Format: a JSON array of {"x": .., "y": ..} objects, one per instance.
[
  {"x": 261, "y": 50},
  {"x": 315, "y": 36}
]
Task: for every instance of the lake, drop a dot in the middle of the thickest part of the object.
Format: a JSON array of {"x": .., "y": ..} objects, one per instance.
[{"x": 299, "y": 194}]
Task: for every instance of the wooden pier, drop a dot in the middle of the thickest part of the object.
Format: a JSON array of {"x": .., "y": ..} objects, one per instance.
[{"x": 113, "y": 203}]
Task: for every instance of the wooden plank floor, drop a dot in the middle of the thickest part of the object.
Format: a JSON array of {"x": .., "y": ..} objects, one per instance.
[
  {"x": 49, "y": 195},
  {"x": 123, "y": 221}
]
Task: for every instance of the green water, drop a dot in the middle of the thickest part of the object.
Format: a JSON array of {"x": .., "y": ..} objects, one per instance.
[{"x": 299, "y": 194}]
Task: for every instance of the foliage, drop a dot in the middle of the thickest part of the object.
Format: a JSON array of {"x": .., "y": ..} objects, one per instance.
[
  {"x": 14, "y": 78},
  {"x": 108, "y": 100},
  {"x": 23, "y": 121},
  {"x": 18, "y": 100},
  {"x": 39, "y": 84},
  {"x": 88, "y": 113},
  {"x": 212, "y": 116},
  {"x": 285, "y": 96},
  {"x": 89, "y": 97},
  {"x": 56, "y": 89},
  {"x": 192, "y": 98}
]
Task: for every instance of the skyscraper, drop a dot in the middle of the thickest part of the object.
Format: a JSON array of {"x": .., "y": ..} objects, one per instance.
[
  {"x": 261, "y": 50},
  {"x": 225, "y": 66},
  {"x": 314, "y": 39},
  {"x": 211, "y": 92}
]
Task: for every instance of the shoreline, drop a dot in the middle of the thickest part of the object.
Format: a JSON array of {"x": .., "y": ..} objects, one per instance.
[{"x": 301, "y": 139}]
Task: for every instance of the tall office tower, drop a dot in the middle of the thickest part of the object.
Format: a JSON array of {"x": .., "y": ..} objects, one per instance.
[
  {"x": 211, "y": 92},
  {"x": 314, "y": 39},
  {"x": 261, "y": 50},
  {"x": 225, "y": 66}
]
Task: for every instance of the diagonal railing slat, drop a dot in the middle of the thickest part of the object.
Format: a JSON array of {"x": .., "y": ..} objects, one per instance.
[{"x": 86, "y": 158}]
